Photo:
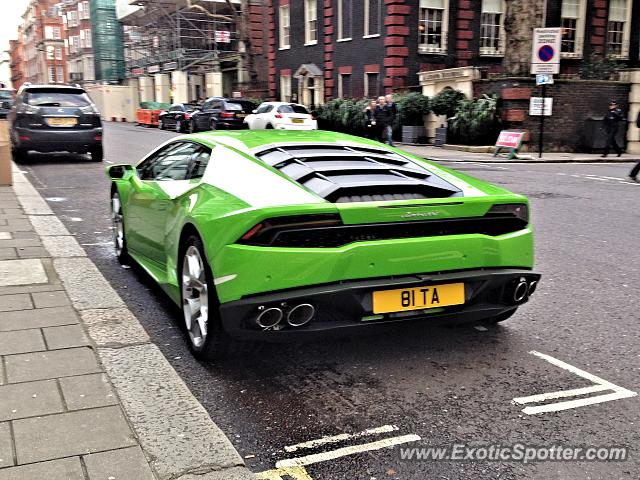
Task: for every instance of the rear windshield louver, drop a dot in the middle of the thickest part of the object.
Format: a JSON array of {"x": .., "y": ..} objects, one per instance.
[
  {"x": 351, "y": 174},
  {"x": 329, "y": 233}
]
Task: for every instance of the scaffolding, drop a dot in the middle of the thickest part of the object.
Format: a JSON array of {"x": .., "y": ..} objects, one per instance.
[
  {"x": 107, "y": 38},
  {"x": 197, "y": 36}
]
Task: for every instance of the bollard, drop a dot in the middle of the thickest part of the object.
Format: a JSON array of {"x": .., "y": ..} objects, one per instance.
[{"x": 5, "y": 155}]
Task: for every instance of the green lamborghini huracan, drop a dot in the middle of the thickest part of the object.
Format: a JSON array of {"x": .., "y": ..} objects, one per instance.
[{"x": 275, "y": 234}]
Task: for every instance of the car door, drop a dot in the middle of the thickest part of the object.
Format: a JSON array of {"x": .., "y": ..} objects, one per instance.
[
  {"x": 216, "y": 108},
  {"x": 262, "y": 117},
  {"x": 160, "y": 179},
  {"x": 201, "y": 118}
]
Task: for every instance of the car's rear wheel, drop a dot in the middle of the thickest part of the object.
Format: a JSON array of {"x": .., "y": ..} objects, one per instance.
[
  {"x": 97, "y": 154},
  {"x": 179, "y": 128},
  {"x": 192, "y": 127},
  {"x": 212, "y": 125},
  {"x": 199, "y": 305},
  {"x": 117, "y": 220},
  {"x": 160, "y": 124},
  {"x": 269, "y": 126},
  {"x": 19, "y": 154}
]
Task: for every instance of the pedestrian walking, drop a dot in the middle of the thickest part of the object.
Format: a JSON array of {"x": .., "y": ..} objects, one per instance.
[
  {"x": 393, "y": 112},
  {"x": 383, "y": 118},
  {"x": 633, "y": 175},
  {"x": 611, "y": 124},
  {"x": 370, "y": 116}
]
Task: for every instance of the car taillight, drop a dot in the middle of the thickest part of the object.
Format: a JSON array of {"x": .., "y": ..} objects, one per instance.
[
  {"x": 187, "y": 116},
  {"x": 277, "y": 115},
  {"x": 98, "y": 138},
  {"x": 266, "y": 232},
  {"x": 227, "y": 115},
  {"x": 518, "y": 210}
]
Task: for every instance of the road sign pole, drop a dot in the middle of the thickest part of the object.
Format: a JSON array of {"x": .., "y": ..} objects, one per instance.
[{"x": 541, "y": 137}]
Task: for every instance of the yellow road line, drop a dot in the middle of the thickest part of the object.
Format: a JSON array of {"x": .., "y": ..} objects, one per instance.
[{"x": 297, "y": 473}]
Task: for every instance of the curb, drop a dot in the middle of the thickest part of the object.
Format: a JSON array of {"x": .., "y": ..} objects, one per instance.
[{"x": 178, "y": 437}]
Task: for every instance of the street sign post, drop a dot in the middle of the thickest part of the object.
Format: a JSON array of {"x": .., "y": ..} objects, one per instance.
[{"x": 545, "y": 60}]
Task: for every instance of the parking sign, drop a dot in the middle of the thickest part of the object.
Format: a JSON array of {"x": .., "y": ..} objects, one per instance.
[{"x": 545, "y": 54}]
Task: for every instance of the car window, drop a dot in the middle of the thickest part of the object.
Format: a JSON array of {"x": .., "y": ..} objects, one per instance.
[
  {"x": 199, "y": 164},
  {"x": 207, "y": 105},
  {"x": 6, "y": 95},
  {"x": 190, "y": 107},
  {"x": 217, "y": 105},
  {"x": 175, "y": 108},
  {"x": 171, "y": 163},
  {"x": 292, "y": 109},
  {"x": 238, "y": 106},
  {"x": 265, "y": 109},
  {"x": 57, "y": 98}
]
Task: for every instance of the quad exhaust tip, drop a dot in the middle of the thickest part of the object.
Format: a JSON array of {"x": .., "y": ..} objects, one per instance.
[
  {"x": 269, "y": 317},
  {"x": 532, "y": 287},
  {"x": 520, "y": 293},
  {"x": 301, "y": 315}
]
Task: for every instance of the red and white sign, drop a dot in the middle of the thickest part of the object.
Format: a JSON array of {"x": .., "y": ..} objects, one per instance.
[
  {"x": 508, "y": 139},
  {"x": 222, "y": 36},
  {"x": 546, "y": 47}
]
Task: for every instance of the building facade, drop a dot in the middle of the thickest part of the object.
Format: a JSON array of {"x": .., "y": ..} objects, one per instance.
[
  {"x": 323, "y": 49},
  {"x": 43, "y": 52},
  {"x": 16, "y": 52}
]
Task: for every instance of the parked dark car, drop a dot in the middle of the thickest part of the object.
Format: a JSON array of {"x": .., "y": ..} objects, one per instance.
[
  {"x": 6, "y": 101},
  {"x": 177, "y": 117},
  {"x": 55, "y": 118},
  {"x": 219, "y": 113}
]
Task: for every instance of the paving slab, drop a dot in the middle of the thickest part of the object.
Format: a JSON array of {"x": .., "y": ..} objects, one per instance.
[
  {"x": 113, "y": 327},
  {"x": 63, "y": 246},
  {"x": 37, "y": 318},
  {"x": 51, "y": 364},
  {"x": 8, "y": 253},
  {"x": 33, "y": 252},
  {"x": 174, "y": 429},
  {"x": 5, "y": 236},
  {"x": 18, "y": 301},
  {"x": 87, "y": 391},
  {"x": 48, "y": 225},
  {"x": 6, "y": 447},
  {"x": 29, "y": 400},
  {"x": 21, "y": 341},
  {"x": 63, "y": 469},
  {"x": 22, "y": 272},
  {"x": 16, "y": 242},
  {"x": 73, "y": 433},
  {"x": 85, "y": 285},
  {"x": 47, "y": 287},
  {"x": 67, "y": 336},
  {"x": 50, "y": 299},
  {"x": 236, "y": 473},
  {"x": 123, "y": 464}
]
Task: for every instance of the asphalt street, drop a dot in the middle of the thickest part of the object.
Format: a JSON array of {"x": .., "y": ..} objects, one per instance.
[{"x": 444, "y": 385}]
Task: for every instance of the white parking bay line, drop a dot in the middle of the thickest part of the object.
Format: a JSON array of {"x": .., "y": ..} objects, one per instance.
[
  {"x": 341, "y": 438},
  {"x": 600, "y": 386},
  {"x": 345, "y": 451}
]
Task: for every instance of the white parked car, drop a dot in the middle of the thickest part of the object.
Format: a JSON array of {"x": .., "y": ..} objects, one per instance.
[{"x": 281, "y": 116}]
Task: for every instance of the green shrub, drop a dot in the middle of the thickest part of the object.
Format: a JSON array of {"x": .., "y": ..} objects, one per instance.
[
  {"x": 412, "y": 108},
  {"x": 446, "y": 102},
  {"x": 476, "y": 122}
]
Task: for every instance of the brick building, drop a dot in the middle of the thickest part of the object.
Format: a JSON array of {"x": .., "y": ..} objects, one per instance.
[
  {"x": 322, "y": 49},
  {"x": 80, "y": 57},
  {"x": 16, "y": 52},
  {"x": 42, "y": 39}
]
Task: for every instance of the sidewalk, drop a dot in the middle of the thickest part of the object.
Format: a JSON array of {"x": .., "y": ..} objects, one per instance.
[
  {"x": 446, "y": 154},
  {"x": 84, "y": 394}
]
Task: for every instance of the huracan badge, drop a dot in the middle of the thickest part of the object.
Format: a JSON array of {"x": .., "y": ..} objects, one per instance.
[{"x": 433, "y": 213}]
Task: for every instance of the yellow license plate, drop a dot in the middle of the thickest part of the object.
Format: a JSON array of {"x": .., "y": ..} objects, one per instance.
[
  {"x": 431, "y": 296},
  {"x": 241, "y": 115},
  {"x": 61, "y": 122},
  {"x": 297, "y": 120}
]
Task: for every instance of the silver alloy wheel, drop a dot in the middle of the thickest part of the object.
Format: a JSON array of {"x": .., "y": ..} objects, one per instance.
[
  {"x": 178, "y": 126},
  {"x": 195, "y": 298},
  {"x": 160, "y": 124},
  {"x": 118, "y": 223}
]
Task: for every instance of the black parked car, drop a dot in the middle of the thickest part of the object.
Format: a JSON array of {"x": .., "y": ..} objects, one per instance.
[
  {"x": 55, "y": 118},
  {"x": 6, "y": 101},
  {"x": 221, "y": 113},
  {"x": 177, "y": 117}
]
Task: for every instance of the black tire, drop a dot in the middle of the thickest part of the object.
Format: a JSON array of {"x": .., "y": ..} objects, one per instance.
[
  {"x": 212, "y": 125},
  {"x": 179, "y": 128},
  {"x": 269, "y": 126},
  {"x": 502, "y": 317},
  {"x": 19, "y": 154},
  {"x": 97, "y": 154},
  {"x": 216, "y": 345},
  {"x": 160, "y": 124},
  {"x": 122, "y": 254},
  {"x": 192, "y": 127}
]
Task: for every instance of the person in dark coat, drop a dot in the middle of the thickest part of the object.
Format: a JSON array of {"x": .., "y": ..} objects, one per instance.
[
  {"x": 611, "y": 124},
  {"x": 633, "y": 175},
  {"x": 393, "y": 109},
  {"x": 383, "y": 118},
  {"x": 370, "y": 116}
]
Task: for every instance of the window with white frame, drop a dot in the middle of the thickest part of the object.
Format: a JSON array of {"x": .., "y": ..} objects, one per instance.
[
  {"x": 60, "y": 75},
  {"x": 48, "y": 32},
  {"x": 344, "y": 85},
  {"x": 285, "y": 27},
  {"x": 344, "y": 19},
  {"x": 372, "y": 15},
  {"x": 310, "y": 22},
  {"x": 432, "y": 26},
  {"x": 83, "y": 10},
  {"x": 618, "y": 28},
  {"x": 491, "y": 37},
  {"x": 89, "y": 69},
  {"x": 87, "y": 36},
  {"x": 83, "y": 41},
  {"x": 572, "y": 23},
  {"x": 285, "y": 88},
  {"x": 57, "y": 33},
  {"x": 58, "y": 53},
  {"x": 52, "y": 74},
  {"x": 72, "y": 18},
  {"x": 371, "y": 84},
  {"x": 50, "y": 52}
]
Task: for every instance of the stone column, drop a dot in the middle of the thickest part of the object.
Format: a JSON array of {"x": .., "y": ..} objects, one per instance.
[
  {"x": 162, "y": 88},
  {"x": 180, "y": 87},
  {"x": 633, "y": 133},
  {"x": 146, "y": 89},
  {"x": 214, "y": 84}
]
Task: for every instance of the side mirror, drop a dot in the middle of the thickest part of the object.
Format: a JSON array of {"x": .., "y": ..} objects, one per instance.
[
  {"x": 120, "y": 172},
  {"x": 254, "y": 111}
]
